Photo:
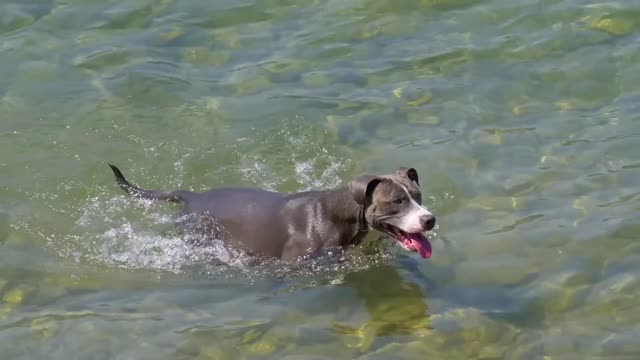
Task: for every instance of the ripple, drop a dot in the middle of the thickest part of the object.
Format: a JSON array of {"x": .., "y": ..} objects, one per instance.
[
  {"x": 121, "y": 232},
  {"x": 101, "y": 58}
]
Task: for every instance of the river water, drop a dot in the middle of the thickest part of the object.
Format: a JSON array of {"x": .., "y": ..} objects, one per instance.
[{"x": 521, "y": 117}]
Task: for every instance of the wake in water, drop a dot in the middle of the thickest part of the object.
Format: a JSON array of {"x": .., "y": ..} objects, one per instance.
[
  {"x": 150, "y": 241},
  {"x": 119, "y": 231}
]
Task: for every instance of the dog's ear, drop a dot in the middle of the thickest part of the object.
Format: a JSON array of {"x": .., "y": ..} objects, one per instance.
[
  {"x": 362, "y": 187},
  {"x": 410, "y": 173}
]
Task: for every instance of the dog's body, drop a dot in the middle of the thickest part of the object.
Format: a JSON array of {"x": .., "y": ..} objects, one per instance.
[{"x": 291, "y": 226}]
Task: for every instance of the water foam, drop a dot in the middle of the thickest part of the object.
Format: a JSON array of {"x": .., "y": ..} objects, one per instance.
[{"x": 136, "y": 234}]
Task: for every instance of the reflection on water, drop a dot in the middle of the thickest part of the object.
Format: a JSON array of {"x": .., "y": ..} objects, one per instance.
[{"x": 398, "y": 309}]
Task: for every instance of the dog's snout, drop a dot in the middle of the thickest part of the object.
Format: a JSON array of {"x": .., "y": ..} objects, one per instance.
[{"x": 428, "y": 222}]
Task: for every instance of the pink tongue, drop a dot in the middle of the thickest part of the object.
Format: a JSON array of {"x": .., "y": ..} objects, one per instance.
[{"x": 421, "y": 244}]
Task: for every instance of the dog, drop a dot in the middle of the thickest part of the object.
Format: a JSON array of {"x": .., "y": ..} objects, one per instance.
[{"x": 307, "y": 224}]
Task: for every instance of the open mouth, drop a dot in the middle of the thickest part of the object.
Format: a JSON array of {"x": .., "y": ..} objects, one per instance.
[{"x": 410, "y": 242}]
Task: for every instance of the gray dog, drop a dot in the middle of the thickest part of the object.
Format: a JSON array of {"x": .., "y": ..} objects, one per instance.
[{"x": 292, "y": 226}]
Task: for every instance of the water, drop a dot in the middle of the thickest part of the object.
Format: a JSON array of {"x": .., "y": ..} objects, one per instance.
[{"x": 521, "y": 118}]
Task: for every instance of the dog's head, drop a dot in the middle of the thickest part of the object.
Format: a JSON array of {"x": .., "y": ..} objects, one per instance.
[{"x": 393, "y": 205}]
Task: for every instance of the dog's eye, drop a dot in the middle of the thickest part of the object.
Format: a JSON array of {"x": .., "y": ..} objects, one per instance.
[{"x": 398, "y": 201}]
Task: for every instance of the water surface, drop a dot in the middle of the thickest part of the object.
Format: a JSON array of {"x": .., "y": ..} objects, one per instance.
[{"x": 520, "y": 116}]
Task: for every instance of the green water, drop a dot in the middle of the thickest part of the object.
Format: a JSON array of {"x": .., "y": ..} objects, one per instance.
[{"x": 522, "y": 118}]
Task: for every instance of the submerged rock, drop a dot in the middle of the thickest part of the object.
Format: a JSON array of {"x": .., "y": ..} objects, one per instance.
[
  {"x": 571, "y": 104},
  {"x": 615, "y": 24},
  {"x": 213, "y": 352},
  {"x": 14, "y": 296},
  {"x": 474, "y": 333},
  {"x": 252, "y": 84},
  {"x": 421, "y": 99},
  {"x": 202, "y": 55},
  {"x": 44, "y": 326},
  {"x": 316, "y": 80},
  {"x": 557, "y": 292},
  {"x": 413, "y": 97},
  {"x": 173, "y": 33},
  {"x": 266, "y": 345}
]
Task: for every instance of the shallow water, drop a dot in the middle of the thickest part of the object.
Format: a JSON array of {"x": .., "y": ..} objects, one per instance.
[{"x": 521, "y": 118}]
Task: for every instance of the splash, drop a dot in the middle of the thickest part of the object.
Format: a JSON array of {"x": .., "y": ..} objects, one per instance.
[
  {"x": 122, "y": 232},
  {"x": 115, "y": 236}
]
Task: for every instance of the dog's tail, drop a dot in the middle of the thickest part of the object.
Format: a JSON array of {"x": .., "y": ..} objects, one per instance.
[{"x": 138, "y": 192}]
